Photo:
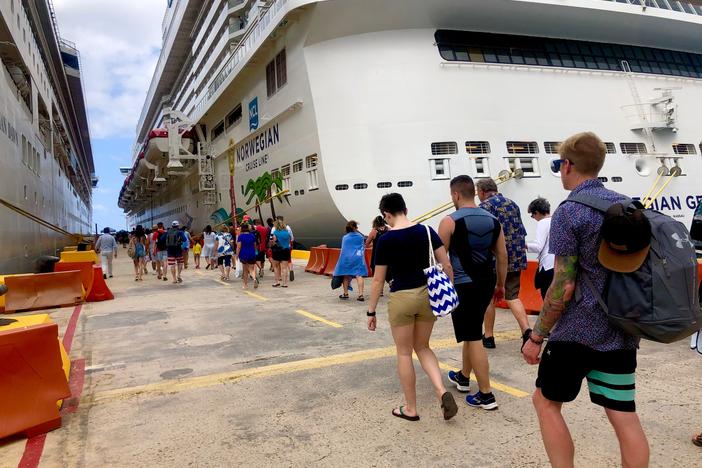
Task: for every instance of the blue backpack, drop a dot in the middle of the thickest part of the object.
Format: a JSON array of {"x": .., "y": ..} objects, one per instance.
[{"x": 659, "y": 301}]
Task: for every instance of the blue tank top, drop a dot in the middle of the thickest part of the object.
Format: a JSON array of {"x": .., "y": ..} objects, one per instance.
[{"x": 472, "y": 243}]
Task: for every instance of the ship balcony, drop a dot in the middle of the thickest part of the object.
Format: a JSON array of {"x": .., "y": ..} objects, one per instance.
[{"x": 651, "y": 116}]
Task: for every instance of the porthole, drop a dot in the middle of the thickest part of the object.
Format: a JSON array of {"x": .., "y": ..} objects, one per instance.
[
  {"x": 405, "y": 183},
  {"x": 617, "y": 179},
  {"x": 342, "y": 187},
  {"x": 602, "y": 179},
  {"x": 360, "y": 186},
  {"x": 383, "y": 185}
]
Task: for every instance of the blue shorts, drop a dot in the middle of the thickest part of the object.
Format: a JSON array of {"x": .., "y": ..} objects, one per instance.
[{"x": 162, "y": 256}]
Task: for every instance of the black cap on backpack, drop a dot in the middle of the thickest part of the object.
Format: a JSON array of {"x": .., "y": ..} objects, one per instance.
[{"x": 626, "y": 239}]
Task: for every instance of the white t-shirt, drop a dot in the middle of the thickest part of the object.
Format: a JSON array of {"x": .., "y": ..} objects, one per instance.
[
  {"x": 540, "y": 245},
  {"x": 210, "y": 239}
]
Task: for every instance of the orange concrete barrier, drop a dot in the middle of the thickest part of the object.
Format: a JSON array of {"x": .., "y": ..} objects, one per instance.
[
  {"x": 322, "y": 257},
  {"x": 99, "y": 290},
  {"x": 529, "y": 295},
  {"x": 369, "y": 253},
  {"x": 43, "y": 291},
  {"x": 313, "y": 259},
  {"x": 31, "y": 380},
  {"x": 330, "y": 263},
  {"x": 85, "y": 268}
]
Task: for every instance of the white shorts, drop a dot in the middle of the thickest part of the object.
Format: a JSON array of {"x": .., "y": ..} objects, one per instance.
[{"x": 208, "y": 251}]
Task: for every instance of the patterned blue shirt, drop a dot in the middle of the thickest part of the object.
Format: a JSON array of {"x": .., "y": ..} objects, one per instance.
[
  {"x": 508, "y": 214},
  {"x": 575, "y": 231}
]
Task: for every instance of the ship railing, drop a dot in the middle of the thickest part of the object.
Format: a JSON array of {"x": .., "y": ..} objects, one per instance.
[
  {"x": 253, "y": 33},
  {"x": 502, "y": 177}
]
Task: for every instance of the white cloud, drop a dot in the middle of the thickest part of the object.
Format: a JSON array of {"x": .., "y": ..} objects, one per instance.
[{"x": 119, "y": 43}]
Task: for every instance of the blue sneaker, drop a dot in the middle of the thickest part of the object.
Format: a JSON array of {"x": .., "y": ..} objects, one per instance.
[
  {"x": 462, "y": 382},
  {"x": 485, "y": 401}
]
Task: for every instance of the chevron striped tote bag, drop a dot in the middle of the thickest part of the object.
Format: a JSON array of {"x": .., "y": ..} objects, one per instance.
[{"x": 442, "y": 293}]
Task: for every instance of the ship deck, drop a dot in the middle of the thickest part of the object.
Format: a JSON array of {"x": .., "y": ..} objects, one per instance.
[{"x": 205, "y": 374}]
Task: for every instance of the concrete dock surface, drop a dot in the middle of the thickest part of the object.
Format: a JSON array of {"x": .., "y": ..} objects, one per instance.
[{"x": 203, "y": 374}]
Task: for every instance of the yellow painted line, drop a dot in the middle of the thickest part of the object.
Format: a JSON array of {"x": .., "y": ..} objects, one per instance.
[
  {"x": 256, "y": 296},
  {"x": 222, "y": 282},
  {"x": 515, "y": 392},
  {"x": 205, "y": 381},
  {"x": 318, "y": 318}
]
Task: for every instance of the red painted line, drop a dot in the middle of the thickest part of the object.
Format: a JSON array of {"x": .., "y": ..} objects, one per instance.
[
  {"x": 71, "y": 329},
  {"x": 70, "y": 405},
  {"x": 32, "y": 452},
  {"x": 35, "y": 446}
]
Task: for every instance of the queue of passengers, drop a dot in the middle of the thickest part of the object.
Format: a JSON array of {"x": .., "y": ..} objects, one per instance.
[
  {"x": 482, "y": 248},
  {"x": 168, "y": 250}
]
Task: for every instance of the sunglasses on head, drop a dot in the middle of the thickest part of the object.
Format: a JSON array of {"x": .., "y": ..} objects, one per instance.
[{"x": 557, "y": 163}]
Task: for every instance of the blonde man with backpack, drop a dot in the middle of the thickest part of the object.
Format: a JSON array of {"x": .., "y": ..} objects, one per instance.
[{"x": 583, "y": 344}]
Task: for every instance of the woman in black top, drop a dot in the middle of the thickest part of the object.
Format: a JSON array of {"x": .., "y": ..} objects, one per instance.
[
  {"x": 403, "y": 252},
  {"x": 379, "y": 228}
]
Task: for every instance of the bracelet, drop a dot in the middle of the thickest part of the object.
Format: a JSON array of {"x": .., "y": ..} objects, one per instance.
[
  {"x": 370, "y": 314},
  {"x": 538, "y": 342}
]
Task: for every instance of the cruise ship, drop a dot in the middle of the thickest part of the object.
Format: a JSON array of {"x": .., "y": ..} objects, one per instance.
[
  {"x": 46, "y": 165},
  {"x": 315, "y": 109}
]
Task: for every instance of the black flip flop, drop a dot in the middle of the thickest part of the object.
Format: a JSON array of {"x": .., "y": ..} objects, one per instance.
[
  {"x": 448, "y": 405},
  {"x": 344, "y": 296},
  {"x": 402, "y": 415},
  {"x": 361, "y": 299},
  {"x": 697, "y": 440}
]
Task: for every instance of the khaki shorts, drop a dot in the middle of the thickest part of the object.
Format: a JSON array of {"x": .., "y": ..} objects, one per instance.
[
  {"x": 512, "y": 285},
  {"x": 408, "y": 306}
]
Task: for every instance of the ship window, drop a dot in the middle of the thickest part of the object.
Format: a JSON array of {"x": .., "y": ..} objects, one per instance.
[
  {"x": 481, "y": 166},
  {"x": 405, "y": 183},
  {"x": 633, "y": 148},
  {"x": 617, "y": 179},
  {"x": 285, "y": 171},
  {"x": 440, "y": 169},
  {"x": 610, "y": 148},
  {"x": 360, "y": 186},
  {"x": 684, "y": 148},
  {"x": 530, "y": 166},
  {"x": 522, "y": 147},
  {"x": 551, "y": 147},
  {"x": 342, "y": 187},
  {"x": 383, "y": 185},
  {"x": 24, "y": 150},
  {"x": 276, "y": 73},
  {"x": 25, "y": 192},
  {"x": 467, "y": 46},
  {"x": 444, "y": 147},
  {"x": 602, "y": 179},
  {"x": 297, "y": 166},
  {"x": 217, "y": 130},
  {"x": 234, "y": 117},
  {"x": 477, "y": 147},
  {"x": 312, "y": 180},
  {"x": 311, "y": 161}
]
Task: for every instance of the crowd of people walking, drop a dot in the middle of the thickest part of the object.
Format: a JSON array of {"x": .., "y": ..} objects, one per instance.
[
  {"x": 245, "y": 248},
  {"x": 482, "y": 248}
]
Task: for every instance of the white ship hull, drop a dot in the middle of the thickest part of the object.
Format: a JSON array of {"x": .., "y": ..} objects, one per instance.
[
  {"x": 42, "y": 167},
  {"x": 368, "y": 97}
]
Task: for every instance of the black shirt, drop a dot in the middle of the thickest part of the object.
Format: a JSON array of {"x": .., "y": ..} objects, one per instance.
[{"x": 406, "y": 254}]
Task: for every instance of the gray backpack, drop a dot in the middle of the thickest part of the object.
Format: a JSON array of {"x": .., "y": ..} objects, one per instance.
[{"x": 659, "y": 301}]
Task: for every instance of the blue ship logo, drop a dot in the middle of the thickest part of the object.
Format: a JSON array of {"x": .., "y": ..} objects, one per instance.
[{"x": 253, "y": 114}]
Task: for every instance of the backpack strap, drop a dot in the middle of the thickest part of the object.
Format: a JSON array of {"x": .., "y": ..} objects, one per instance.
[
  {"x": 588, "y": 284},
  {"x": 597, "y": 203}
]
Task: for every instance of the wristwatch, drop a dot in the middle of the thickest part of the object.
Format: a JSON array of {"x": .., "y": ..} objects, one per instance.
[{"x": 370, "y": 314}]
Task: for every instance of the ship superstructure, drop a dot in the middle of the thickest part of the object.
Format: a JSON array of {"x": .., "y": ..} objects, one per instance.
[
  {"x": 337, "y": 102},
  {"x": 46, "y": 164}
]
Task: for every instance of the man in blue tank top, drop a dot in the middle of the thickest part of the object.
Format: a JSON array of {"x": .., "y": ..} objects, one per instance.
[{"x": 474, "y": 240}]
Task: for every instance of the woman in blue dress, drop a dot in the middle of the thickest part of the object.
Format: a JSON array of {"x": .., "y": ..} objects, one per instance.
[
  {"x": 246, "y": 252},
  {"x": 352, "y": 260}
]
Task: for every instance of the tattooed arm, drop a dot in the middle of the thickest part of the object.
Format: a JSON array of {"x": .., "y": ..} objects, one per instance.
[{"x": 558, "y": 295}]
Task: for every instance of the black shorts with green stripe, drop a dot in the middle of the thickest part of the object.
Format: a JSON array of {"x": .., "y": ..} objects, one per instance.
[{"x": 610, "y": 375}]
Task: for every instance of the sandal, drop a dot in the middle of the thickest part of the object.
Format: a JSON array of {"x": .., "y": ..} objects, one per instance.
[
  {"x": 697, "y": 440},
  {"x": 276, "y": 285},
  {"x": 343, "y": 296},
  {"x": 448, "y": 405},
  {"x": 401, "y": 414},
  {"x": 361, "y": 298}
]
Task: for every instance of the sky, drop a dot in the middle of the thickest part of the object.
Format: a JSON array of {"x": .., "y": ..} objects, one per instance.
[{"x": 119, "y": 43}]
